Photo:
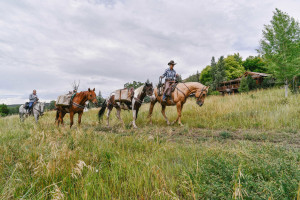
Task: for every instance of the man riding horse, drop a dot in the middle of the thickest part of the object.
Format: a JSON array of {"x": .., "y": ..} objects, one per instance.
[
  {"x": 170, "y": 75},
  {"x": 33, "y": 98}
]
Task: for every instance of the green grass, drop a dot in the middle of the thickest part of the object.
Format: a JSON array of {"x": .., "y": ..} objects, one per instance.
[{"x": 241, "y": 147}]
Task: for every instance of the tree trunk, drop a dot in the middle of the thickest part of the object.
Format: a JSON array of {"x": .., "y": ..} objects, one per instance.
[{"x": 286, "y": 88}]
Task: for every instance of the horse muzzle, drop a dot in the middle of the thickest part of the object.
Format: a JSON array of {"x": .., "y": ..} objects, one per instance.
[{"x": 200, "y": 103}]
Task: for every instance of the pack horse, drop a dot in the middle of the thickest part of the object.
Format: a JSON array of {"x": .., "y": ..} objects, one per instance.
[
  {"x": 126, "y": 99},
  {"x": 76, "y": 105}
]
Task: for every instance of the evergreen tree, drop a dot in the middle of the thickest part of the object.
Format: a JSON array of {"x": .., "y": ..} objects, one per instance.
[
  {"x": 213, "y": 70},
  {"x": 251, "y": 82},
  {"x": 280, "y": 47},
  {"x": 243, "y": 86},
  {"x": 220, "y": 74}
]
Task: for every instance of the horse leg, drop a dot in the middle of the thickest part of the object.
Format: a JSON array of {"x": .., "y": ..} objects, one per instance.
[
  {"x": 79, "y": 118},
  {"x": 163, "y": 109},
  {"x": 119, "y": 116},
  {"x": 62, "y": 117},
  {"x": 134, "y": 113},
  {"x": 152, "y": 104},
  {"x": 107, "y": 115},
  {"x": 71, "y": 118},
  {"x": 179, "y": 109},
  {"x": 36, "y": 117}
]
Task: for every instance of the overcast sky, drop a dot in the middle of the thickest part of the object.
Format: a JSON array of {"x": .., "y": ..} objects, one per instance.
[{"x": 47, "y": 44}]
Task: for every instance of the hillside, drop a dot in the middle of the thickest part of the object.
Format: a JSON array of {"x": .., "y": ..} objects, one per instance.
[{"x": 243, "y": 146}]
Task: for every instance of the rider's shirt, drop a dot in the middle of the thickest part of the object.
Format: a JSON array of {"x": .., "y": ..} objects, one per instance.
[
  {"x": 33, "y": 98},
  {"x": 169, "y": 74}
]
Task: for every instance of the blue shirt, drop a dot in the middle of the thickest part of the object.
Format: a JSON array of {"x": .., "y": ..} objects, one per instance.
[
  {"x": 32, "y": 98},
  {"x": 169, "y": 74}
]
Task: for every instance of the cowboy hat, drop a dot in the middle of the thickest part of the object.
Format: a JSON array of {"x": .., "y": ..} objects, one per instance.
[{"x": 172, "y": 62}]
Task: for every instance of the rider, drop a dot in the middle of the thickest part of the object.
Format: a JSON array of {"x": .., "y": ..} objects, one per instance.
[
  {"x": 33, "y": 98},
  {"x": 170, "y": 75}
]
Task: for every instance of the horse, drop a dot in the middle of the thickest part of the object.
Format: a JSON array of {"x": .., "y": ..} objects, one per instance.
[
  {"x": 37, "y": 110},
  {"x": 178, "y": 98},
  {"x": 137, "y": 100},
  {"x": 77, "y": 106}
]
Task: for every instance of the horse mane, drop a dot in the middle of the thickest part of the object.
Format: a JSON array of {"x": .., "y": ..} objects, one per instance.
[{"x": 139, "y": 90}]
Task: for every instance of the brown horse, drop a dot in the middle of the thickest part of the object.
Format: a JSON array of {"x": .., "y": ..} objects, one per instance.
[
  {"x": 137, "y": 100},
  {"x": 76, "y": 106},
  {"x": 178, "y": 98}
]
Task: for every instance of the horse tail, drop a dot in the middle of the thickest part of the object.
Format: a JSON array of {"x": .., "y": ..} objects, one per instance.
[{"x": 102, "y": 110}]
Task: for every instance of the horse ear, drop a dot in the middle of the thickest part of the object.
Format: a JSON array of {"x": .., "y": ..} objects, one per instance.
[
  {"x": 94, "y": 89},
  {"x": 207, "y": 88},
  {"x": 89, "y": 89}
]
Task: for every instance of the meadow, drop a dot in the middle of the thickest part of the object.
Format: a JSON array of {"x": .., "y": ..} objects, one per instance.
[{"x": 244, "y": 146}]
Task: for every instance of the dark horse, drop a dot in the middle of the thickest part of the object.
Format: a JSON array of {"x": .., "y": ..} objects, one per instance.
[
  {"x": 76, "y": 106},
  {"x": 139, "y": 95}
]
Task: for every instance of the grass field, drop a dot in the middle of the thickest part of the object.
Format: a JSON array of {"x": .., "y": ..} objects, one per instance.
[{"x": 235, "y": 147}]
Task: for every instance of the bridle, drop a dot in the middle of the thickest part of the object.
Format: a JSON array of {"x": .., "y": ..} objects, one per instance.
[
  {"x": 201, "y": 93},
  {"x": 82, "y": 106}
]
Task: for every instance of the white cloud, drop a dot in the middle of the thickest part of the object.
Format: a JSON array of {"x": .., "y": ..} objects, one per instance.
[{"x": 46, "y": 45}]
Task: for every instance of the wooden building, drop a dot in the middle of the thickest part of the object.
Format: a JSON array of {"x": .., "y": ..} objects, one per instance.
[{"x": 232, "y": 86}]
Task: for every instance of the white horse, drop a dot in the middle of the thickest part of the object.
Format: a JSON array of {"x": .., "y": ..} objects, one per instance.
[{"x": 38, "y": 110}]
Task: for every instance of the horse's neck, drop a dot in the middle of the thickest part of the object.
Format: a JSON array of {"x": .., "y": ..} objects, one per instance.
[
  {"x": 81, "y": 98},
  {"x": 190, "y": 88},
  {"x": 141, "y": 95}
]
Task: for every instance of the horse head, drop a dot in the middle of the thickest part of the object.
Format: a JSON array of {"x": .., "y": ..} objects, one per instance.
[
  {"x": 201, "y": 94},
  {"x": 42, "y": 107},
  {"x": 148, "y": 88},
  {"x": 92, "y": 96}
]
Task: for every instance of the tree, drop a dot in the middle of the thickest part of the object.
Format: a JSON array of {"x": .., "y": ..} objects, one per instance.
[
  {"x": 205, "y": 76},
  {"x": 52, "y": 105},
  {"x": 99, "y": 97},
  {"x": 3, "y": 110},
  {"x": 243, "y": 85},
  {"x": 233, "y": 67},
  {"x": 280, "y": 47},
  {"x": 255, "y": 64},
  {"x": 134, "y": 84},
  {"x": 251, "y": 82},
  {"x": 220, "y": 74}
]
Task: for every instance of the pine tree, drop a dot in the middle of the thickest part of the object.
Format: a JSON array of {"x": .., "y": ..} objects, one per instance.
[
  {"x": 220, "y": 74},
  {"x": 213, "y": 70}
]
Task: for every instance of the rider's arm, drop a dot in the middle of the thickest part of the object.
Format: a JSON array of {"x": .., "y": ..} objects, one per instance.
[{"x": 164, "y": 74}]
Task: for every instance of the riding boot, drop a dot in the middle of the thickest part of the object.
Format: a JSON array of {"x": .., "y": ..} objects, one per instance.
[{"x": 164, "y": 98}]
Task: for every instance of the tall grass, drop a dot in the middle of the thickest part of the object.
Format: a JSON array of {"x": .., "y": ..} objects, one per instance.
[{"x": 41, "y": 161}]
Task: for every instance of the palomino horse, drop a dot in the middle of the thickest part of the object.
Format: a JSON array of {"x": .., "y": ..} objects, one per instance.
[
  {"x": 178, "y": 98},
  {"x": 77, "y": 106},
  {"x": 37, "y": 110},
  {"x": 139, "y": 94}
]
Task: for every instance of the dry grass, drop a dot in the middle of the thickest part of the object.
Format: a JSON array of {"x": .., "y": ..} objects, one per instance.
[{"x": 241, "y": 147}]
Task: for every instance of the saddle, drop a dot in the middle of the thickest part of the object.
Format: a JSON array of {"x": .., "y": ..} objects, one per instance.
[
  {"x": 26, "y": 105},
  {"x": 161, "y": 88}
]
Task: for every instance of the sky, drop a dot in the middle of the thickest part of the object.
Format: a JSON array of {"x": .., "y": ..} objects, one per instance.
[{"x": 48, "y": 44}]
